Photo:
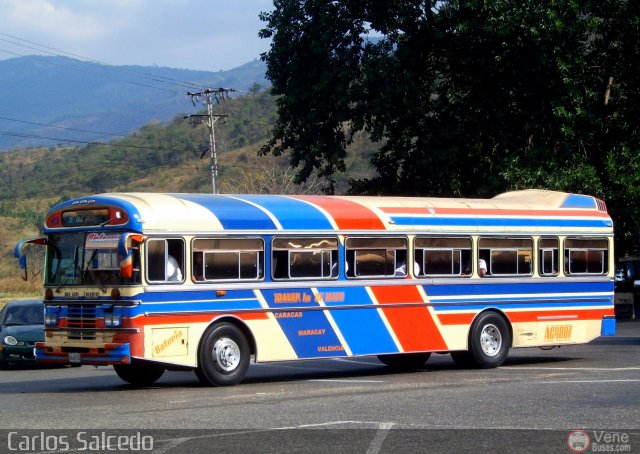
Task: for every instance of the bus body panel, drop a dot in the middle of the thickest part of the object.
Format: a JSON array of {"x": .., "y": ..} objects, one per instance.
[{"x": 340, "y": 316}]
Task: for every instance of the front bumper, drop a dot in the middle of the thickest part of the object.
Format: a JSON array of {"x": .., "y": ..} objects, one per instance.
[
  {"x": 96, "y": 355},
  {"x": 17, "y": 354}
]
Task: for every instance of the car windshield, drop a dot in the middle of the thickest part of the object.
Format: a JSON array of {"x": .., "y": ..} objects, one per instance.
[
  {"x": 24, "y": 315},
  {"x": 89, "y": 259}
]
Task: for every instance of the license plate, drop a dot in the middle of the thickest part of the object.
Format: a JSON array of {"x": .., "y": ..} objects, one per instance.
[{"x": 74, "y": 358}]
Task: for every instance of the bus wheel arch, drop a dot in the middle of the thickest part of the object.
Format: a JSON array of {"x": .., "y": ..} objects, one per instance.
[
  {"x": 224, "y": 352},
  {"x": 489, "y": 340}
]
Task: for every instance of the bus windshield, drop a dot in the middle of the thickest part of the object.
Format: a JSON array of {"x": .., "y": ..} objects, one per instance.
[{"x": 86, "y": 259}]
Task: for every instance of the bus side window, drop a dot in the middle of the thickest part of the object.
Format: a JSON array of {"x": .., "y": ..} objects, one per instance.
[
  {"x": 227, "y": 259},
  {"x": 165, "y": 260},
  {"x": 586, "y": 256},
  {"x": 372, "y": 257},
  {"x": 155, "y": 260},
  {"x": 442, "y": 256},
  {"x": 507, "y": 256},
  {"x": 305, "y": 258},
  {"x": 548, "y": 256}
]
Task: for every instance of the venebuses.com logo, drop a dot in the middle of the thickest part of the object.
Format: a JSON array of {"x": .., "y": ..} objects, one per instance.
[{"x": 598, "y": 441}]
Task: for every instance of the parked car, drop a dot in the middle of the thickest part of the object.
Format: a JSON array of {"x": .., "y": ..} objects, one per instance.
[
  {"x": 627, "y": 287},
  {"x": 21, "y": 326}
]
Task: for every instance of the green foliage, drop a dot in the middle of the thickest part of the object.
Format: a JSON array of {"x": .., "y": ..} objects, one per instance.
[{"x": 467, "y": 98}]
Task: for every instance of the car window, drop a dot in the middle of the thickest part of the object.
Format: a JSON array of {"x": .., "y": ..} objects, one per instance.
[{"x": 24, "y": 315}]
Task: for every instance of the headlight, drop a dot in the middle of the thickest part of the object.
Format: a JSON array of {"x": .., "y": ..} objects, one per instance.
[
  {"x": 10, "y": 340},
  {"x": 112, "y": 320},
  {"x": 51, "y": 319}
]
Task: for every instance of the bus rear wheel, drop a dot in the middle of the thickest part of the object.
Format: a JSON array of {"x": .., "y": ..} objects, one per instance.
[
  {"x": 489, "y": 343},
  {"x": 405, "y": 360},
  {"x": 139, "y": 373},
  {"x": 224, "y": 355}
]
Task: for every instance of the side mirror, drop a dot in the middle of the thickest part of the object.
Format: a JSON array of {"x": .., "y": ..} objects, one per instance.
[
  {"x": 34, "y": 248},
  {"x": 127, "y": 240}
]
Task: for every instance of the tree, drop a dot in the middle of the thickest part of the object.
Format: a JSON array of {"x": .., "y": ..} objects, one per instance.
[{"x": 468, "y": 98}]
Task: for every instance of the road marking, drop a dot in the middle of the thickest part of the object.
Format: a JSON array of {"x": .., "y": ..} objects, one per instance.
[
  {"x": 346, "y": 380},
  {"x": 376, "y": 444},
  {"x": 604, "y": 369},
  {"x": 630, "y": 380}
]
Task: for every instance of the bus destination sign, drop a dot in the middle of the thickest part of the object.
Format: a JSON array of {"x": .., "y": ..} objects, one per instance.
[{"x": 78, "y": 218}]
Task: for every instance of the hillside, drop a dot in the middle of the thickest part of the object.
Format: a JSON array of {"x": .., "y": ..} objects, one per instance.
[
  {"x": 171, "y": 156},
  {"x": 87, "y": 96}
]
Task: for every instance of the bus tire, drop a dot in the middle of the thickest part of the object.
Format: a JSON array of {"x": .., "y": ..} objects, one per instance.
[
  {"x": 489, "y": 343},
  {"x": 139, "y": 373},
  {"x": 405, "y": 361},
  {"x": 224, "y": 355}
]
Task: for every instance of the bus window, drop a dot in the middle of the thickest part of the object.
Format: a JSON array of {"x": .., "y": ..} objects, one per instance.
[
  {"x": 507, "y": 256},
  {"x": 227, "y": 259},
  {"x": 548, "y": 256},
  {"x": 385, "y": 257},
  {"x": 165, "y": 260},
  {"x": 442, "y": 256},
  {"x": 586, "y": 256},
  {"x": 304, "y": 258}
]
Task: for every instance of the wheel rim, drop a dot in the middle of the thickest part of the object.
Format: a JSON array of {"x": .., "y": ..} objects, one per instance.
[
  {"x": 491, "y": 340},
  {"x": 226, "y": 353}
]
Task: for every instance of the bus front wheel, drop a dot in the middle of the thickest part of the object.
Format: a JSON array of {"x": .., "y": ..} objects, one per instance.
[
  {"x": 139, "y": 373},
  {"x": 224, "y": 355},
  {"x": 489, "y": 343}
]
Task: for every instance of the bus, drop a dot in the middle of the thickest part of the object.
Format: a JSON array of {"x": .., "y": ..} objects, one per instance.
[{"x": 149, "y": 282}]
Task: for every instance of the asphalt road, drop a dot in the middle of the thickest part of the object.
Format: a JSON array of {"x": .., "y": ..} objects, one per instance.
[{"x": 533, "y": 403}]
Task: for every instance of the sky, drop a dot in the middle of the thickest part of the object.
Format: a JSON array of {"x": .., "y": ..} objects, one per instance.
[{"x": 208, "y": 35}]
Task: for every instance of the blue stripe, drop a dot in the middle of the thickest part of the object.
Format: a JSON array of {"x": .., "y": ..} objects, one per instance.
[
  {"x": 491, "y": 286},
  {"x": 579, "y": 201},
  {"x": 201, "y": 301},
  {"x": 305, "y": 345},
  {"x": 291, "y": 213},
  {"x": 232, "y": 213},
  {"x": 362, "y": 328},
  {"x": 500, "y": 222}
]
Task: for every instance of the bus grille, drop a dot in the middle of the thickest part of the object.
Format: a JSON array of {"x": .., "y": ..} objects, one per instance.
[{"x": 81, "y": 320}]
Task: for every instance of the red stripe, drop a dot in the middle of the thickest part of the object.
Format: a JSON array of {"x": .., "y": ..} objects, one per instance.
[
  {"x": 346, "y": 213},
  {"x": 413, "y": 326},
  {"x": 587, "y": 314},
  {"x": 532, "y": 316}
]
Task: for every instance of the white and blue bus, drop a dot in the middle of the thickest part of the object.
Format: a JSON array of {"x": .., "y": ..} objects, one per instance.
[{"x": 149, "y": 282}]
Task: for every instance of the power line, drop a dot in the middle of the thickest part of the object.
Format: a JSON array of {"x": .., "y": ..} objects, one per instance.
[
  {"x": 61, "y": 127},
  {"x": 85, "y": 142},
  {"x": 59, "y": 52}
]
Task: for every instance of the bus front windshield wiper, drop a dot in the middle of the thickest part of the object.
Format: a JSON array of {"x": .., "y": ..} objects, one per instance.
[{"x": 89, "y": 268}]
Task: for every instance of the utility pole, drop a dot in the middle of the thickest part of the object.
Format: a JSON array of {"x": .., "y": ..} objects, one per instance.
[{"x": 208, "y": 97}]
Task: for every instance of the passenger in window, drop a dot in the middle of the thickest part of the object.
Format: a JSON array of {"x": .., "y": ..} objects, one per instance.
[
  {"x": 401, "y": 270},
  {"x": 482, "y": 268},
  {"x": 173, "y": 269}
]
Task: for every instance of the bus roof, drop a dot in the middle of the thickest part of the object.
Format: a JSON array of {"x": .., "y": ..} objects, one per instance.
[{"x": 528, "y": 211}]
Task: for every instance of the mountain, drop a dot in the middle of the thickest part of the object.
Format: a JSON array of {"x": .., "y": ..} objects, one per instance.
[{"x": 80, "y": 95}]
